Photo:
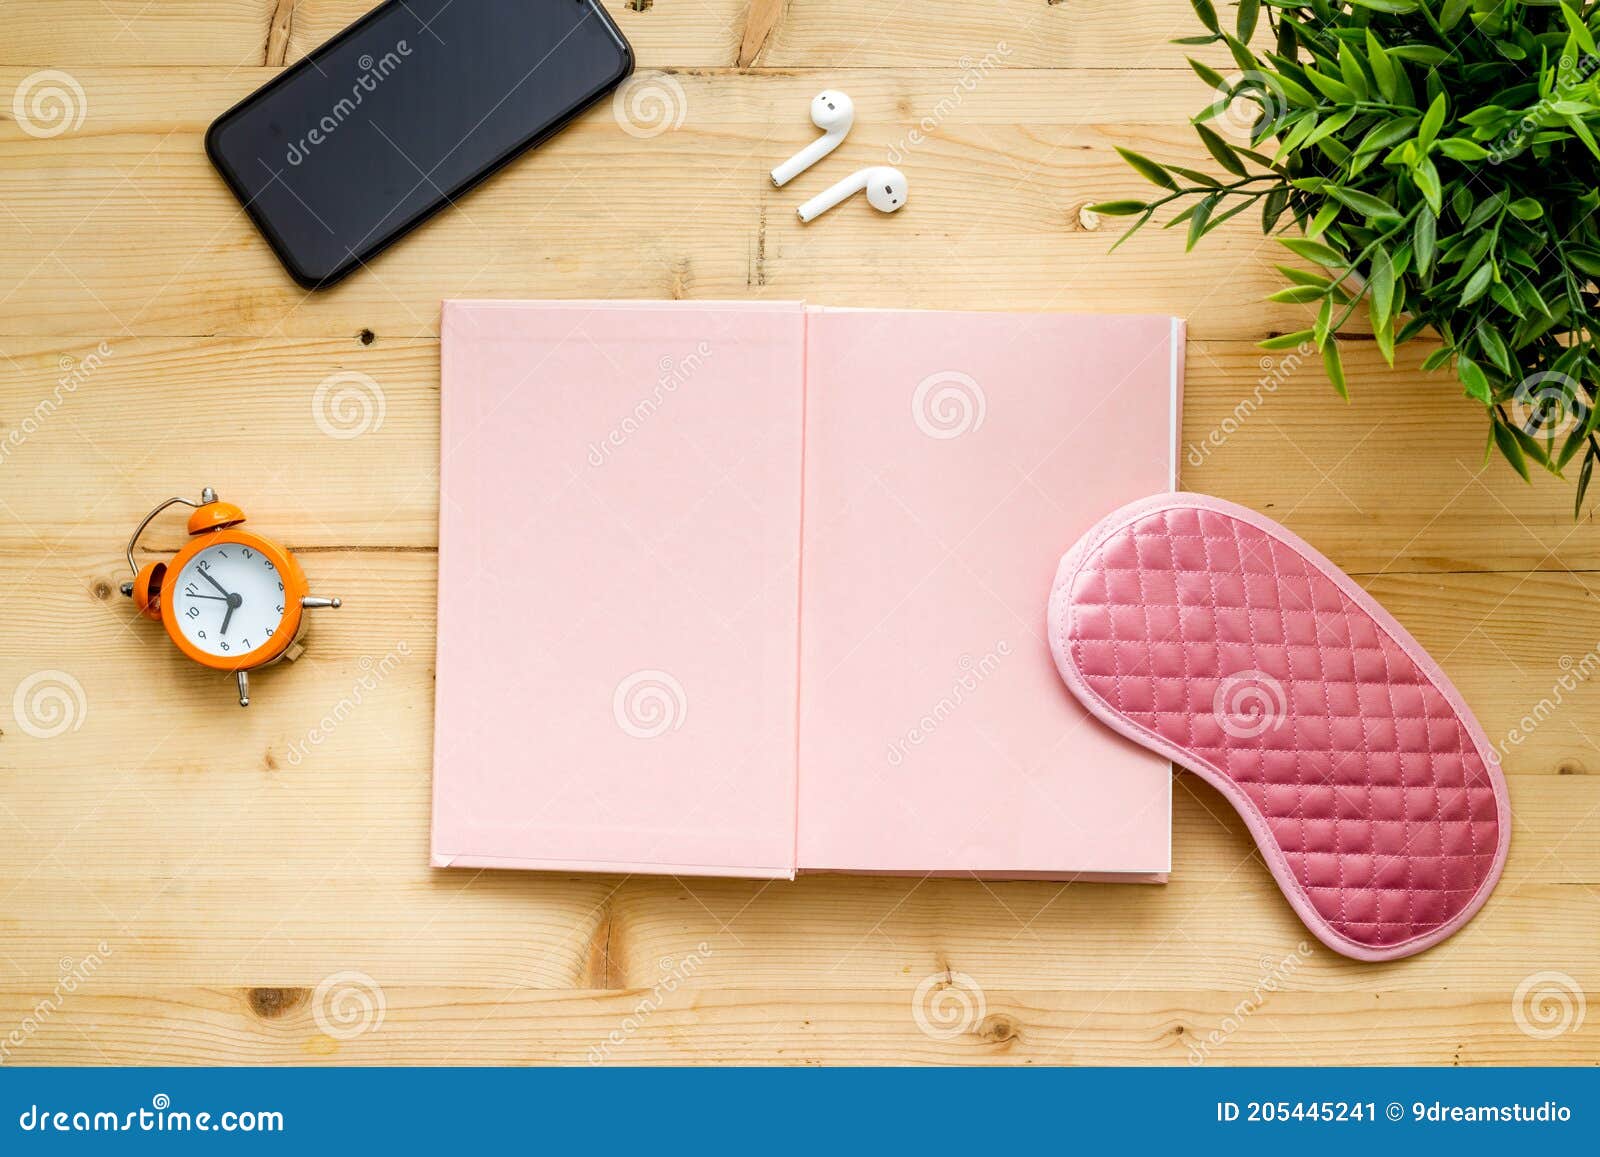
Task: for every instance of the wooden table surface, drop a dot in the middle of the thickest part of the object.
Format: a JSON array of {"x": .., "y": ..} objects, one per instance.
[{"x": 181, "y": 881}]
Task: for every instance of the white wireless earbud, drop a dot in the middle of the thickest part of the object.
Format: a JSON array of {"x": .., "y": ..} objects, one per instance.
[
  {"x": 831, "y": 112},
  {"x": 886, "y": 191}
]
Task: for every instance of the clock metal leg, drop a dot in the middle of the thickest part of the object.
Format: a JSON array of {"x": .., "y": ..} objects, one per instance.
[
  {"x": 312, "y": 601},
  {"x": 244, "y": 688}
]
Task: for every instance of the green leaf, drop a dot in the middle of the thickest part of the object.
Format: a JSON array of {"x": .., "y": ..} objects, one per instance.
[
  {"x": 1355, "y": 77},
  {"x": 1432, "y": 122},
  {"x": 1477, "y": 284},
  {"x": 1579, "y": 31},
  {"x": 1462, "y": 149},
  {"x": 1583, "y": 484},
  {"x": 1132, "y": 229},
  {"x": 1424, "y": 240},
  {"x": 1474, "y": 379},
  {"x": 1582, "y": 130},
  {"x": 1334, "y": 367},
  {"x": 1330, "y": 88},
  {"x": 1207, "y": 14},
  {"x": 1494, "y": 347},
  {"x": 1147, "y": 168},
  {"x": 1383, "y": 70},
  {"x": 1118, "y": 208},
  {"x": 1272, "y": 207},
  {"x": 1297, "y": 294},
  {"x": 1208, "y": 74},
  {"x": 1249, "y": 11},
  {"x": 1391, "y": 7},
  {"x": 1287, "y": 341},
  {"x": 1584, "y": 261},
  {"x": 1526, "y": 209},
  {"x": 1221, "y": 151},
  {"x": 1313, "y": 251},
  {"x": 1427, "y": 179},
  {"x": 1381, "y": 286},
  {"x": 1197, "y": 223},
  {"x": 1511, "y": 449},
  {"x": 1452, "y": 13},
  {"x": 1366, "y": 204},
  {"x": 1424, "y": 54}
]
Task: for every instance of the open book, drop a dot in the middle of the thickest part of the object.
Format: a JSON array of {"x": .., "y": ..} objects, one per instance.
[{"x": 751, "y": 589}]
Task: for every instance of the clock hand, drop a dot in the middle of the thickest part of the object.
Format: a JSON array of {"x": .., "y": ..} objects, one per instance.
[
  {"x": 233, "y": 603},
  {"x": 215, "y": 583},
  {"x": 218, "y": 598}
]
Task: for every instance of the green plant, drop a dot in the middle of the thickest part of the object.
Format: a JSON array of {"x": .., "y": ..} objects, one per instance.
[{"x": 1438, "y": 160}]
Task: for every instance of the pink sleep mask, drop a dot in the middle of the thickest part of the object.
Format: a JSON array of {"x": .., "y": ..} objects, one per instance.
[{"x": 1217, "y": 638}]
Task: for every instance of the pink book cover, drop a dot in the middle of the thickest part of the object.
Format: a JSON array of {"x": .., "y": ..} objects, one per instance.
[
  {"x": 619, "y": 538},
  {"x": 747, "y": 589},
  {"x": 950, "y": 460}
]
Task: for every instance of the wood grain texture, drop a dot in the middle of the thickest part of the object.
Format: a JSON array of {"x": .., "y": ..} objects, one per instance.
[{"x": 182, "y": 882}]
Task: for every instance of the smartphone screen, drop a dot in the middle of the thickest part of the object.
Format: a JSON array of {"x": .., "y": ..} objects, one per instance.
[{"x": 403, "y": 112}]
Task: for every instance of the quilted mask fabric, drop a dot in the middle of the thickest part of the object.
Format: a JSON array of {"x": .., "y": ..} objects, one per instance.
[{"x": 1214, "y": 636}]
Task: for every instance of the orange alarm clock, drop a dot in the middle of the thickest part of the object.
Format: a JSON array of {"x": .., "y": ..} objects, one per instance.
[{"x": 230, "y": 599}]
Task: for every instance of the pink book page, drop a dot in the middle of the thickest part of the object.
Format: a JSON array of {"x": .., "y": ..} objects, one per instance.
[
  {"x": 618, "y": 585},
  {"x": 950, "y": 460}
]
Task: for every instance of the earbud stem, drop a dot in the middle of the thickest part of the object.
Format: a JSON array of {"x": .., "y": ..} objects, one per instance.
[
  {"x": 805, "y": 158},
  {"x": 832, "y": 195}
]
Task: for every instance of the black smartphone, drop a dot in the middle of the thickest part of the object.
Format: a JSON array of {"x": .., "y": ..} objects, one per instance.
[{"x": 402, "y": 113}]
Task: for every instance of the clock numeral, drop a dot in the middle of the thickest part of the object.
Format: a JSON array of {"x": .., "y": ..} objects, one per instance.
[
  {"x": 202, "y": 634},
  {"x": 280, "y": 586},
  {"x": 191, "y": 590},
  {"x": 225, "y": 647},
  {"x": 280, "y": 608},
  {"x": 247, "y": 553},
  {"x": 194, "y": 612},
  {"x": 204, "y": 564}
]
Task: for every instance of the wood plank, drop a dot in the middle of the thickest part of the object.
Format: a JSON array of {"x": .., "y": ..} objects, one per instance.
[
  {"x": 811, "y": 34},
  {"x": 291, "y": 840},
  {"x": 697, "y": 1023},
  {"x": 236, "y": 33},
  {"x": 1494, "y": 633},
  {"x": 121, "y": 228},
  {"x": 1265, "y": 429}
]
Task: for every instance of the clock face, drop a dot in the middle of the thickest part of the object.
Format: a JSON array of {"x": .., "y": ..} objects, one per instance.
[{"x": 228, "y": 599}]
